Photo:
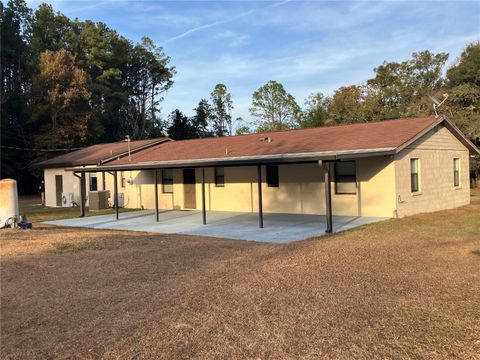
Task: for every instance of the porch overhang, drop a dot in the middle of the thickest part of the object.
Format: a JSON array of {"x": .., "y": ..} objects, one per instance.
[
  {"x": 293, "y": 158},
  {"x": 323, "y": 159}
]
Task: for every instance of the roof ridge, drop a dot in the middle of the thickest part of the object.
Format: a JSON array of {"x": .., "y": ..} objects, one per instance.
[
  {"x": 121, "y": 141},
  {"x": 308, "y": 129}
]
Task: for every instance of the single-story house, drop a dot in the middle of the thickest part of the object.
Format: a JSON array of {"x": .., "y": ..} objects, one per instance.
[{"x": 391, "y": 168}]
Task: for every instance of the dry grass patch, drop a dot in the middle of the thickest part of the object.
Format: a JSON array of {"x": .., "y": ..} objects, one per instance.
[
  {"x": 403, "y": 288},
  {"x": 31, "y": 206}
]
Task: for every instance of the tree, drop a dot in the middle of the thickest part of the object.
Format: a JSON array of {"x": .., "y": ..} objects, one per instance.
[
  {"x": 463, "y": 104},
  {"x": 402, "y": 85},
  {"x": 345, "y": 106},
  {"x": 353, "y": 104},
  {"x": 180, "y": 127},
  {"x": 49, "y": 31},
  {"x": 316, "y": 112},
  {"x": 202, "y": 119},
  {"x": 466, "y": 70},
  {"x": 15, "y": 30},
  {"x": 273, "y": 108},
  {"x": 149, "y": 78},
  {"x": 239, "y": 127},
  {"x": 62, "y": 101},
  {"x": 125, "y": 82},
  {"x": 463, "y": 80},
  {"x": 242, "y": 130},
  {"x": 222, "y": 107}
]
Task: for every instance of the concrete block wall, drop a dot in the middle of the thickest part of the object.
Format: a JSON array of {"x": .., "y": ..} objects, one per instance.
[{"x": 435, "y": 151}]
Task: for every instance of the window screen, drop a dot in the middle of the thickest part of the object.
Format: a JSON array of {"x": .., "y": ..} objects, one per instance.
[
  {"x": 167, "y": 181},
  {"x": 272, "y": 176},
  {"x": 456, "y": 172},
  {"x": 414, "y": 171},
  {"x": 219, "y": 177},
  {"x": 345, "y": 177}
]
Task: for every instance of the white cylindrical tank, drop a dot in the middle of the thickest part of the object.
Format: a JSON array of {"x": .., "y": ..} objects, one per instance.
[{"x": 8, "y": 202}]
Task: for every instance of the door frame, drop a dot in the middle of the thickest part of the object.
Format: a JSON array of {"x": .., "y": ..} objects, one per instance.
[
  {"x": 189, "y": 188},
  {"x": 58, "y": 186}
]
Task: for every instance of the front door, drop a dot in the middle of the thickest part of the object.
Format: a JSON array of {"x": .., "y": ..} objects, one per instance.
[
  {"x": 59, "y": 189},
  {"x": 189, "y": 194}
]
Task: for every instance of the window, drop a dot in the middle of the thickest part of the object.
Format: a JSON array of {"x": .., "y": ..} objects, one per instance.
[
  {"x": 123, "y": 182},
  {"x": 414, "y": 172},
  {"x": 456, "y": 172},
  {"x": 219, "y": 177},
  {"x": 93, "y": 183},
  {"x": 345, "y": 177},
  {"x": 272, "y": 176},
  {"x": 167, "y": 181}
]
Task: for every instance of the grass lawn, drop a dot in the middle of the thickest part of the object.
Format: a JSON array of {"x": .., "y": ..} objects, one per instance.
[{"x": 403, "y": 288}]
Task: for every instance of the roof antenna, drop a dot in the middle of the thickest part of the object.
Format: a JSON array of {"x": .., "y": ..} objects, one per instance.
[
  {"x": 127, "y": 139},
  {"x": 437, "y": 103}
]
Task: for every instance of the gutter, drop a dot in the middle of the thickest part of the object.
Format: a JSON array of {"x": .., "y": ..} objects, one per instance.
[{"x": 245, "y": 160}]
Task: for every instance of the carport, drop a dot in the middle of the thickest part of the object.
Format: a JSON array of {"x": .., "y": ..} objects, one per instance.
[
  {"x": 324, "y": 166},
  {"x": 280, "y": 228},
  {"x": 317, "y": 224}
]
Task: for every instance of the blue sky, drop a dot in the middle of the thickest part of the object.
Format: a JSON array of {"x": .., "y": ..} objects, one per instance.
[{"x": 308, "y": 46}]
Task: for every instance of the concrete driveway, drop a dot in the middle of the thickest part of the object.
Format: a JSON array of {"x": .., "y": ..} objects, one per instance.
[{"x": 278, "y": 228}]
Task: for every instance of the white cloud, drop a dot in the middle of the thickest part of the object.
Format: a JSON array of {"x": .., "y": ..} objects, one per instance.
[{"x": 232, "y": 38}]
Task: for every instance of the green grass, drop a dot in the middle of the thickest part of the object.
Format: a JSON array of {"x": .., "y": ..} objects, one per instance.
[{"x": 31, "y": 207}]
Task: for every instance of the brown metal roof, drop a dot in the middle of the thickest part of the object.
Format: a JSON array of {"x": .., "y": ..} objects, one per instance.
[
  {"x": 382, "y": 136},
  {"x": 97, "y": 154}
]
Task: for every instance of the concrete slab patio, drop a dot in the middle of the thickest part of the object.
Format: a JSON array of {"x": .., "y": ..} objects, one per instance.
[{"x": 279, "y": 228}]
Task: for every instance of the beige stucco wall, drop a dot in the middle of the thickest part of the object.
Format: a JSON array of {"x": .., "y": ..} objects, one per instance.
[
  {"x": 436, "y": 151},
  {"x": 70, "y": 184},
  {"x": 139, "y": 190},
  {"x": 376, "y": 187},
  {"x": 138, "y": 194},
  {"x": 301, "y": 189}
]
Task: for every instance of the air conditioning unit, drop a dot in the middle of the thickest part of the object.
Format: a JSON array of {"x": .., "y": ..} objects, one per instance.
[
  {"x": 98, "y": 200},
  {"x": 67, "y": 199}
]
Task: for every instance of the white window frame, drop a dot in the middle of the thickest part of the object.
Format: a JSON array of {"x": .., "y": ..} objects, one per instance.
[
  {"x": 418, "y": 176},
  {"x": 457, "y": 179}
]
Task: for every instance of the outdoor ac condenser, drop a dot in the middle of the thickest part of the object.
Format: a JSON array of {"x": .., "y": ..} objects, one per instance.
[
  {"x": 98, "y": 200},
  {"x": 67, "y": 199}
]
